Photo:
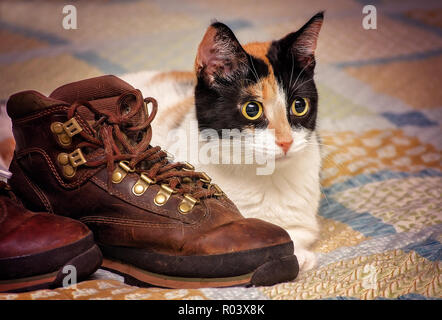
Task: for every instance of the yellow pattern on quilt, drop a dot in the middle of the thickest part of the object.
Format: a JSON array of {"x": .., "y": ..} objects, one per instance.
[
  {"x": 334, "y": 234},
  {"x": 107, "y": 290},
  {"x": 389, "y": 275},
  {"x": 407, "y": 204},
  {"x": 350, "y": 153}
]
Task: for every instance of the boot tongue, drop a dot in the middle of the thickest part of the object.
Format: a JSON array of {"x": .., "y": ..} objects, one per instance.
[
  {"x": 91, "y": 89},
  {"x": 102, "y": 92}
]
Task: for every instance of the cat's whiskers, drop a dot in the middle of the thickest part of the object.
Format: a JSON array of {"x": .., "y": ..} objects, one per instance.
[
  {"x": 291, "y": 73},
  {"x": 321, "y": 188},
  {"x": 248, "y": 150},
  {"x": 300, "y": 73},
  {"x": 303, "y": 83},
  {"x": 253, "y": 71},
  {"x": 312, "y": 143}
]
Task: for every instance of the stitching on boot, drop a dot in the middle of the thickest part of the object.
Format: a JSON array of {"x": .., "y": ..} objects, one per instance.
[
  {"x": 51, "y": 165},
  {"x": 160, "y": 211},
  {"x": 49, "y": 111},
  {"x": 40, "y": 194},
  {"x": 39, "y": 115},
  {"x": 128, "y": 222}
]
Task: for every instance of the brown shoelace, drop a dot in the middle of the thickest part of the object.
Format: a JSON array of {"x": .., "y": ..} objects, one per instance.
[{"x": 111, "y": 132}]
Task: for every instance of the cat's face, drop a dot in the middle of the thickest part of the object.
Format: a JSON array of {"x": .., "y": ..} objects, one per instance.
[{"x": 262, "y": 89}]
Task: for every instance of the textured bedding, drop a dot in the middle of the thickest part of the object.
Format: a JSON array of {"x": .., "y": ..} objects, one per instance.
[{"x": 380, "y": 122}]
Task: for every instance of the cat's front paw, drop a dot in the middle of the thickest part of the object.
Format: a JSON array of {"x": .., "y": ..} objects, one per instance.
[{"x": 306, "y": 259}]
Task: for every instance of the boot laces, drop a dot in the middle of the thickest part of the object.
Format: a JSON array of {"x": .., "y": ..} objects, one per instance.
[{"x": 125, "y": 135}]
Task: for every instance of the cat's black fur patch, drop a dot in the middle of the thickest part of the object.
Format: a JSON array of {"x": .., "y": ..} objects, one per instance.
[{"x": 216, "y": 104}]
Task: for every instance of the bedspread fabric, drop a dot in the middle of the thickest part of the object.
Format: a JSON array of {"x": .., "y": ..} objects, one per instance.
[{"x": 380, "y": 121}]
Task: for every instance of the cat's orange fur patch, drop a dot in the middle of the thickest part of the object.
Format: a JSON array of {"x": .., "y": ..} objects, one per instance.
[
  {"x": 259, "y": 50},
  {"x": 267, "y": 88},
  {"x": 176, "y": 76}
]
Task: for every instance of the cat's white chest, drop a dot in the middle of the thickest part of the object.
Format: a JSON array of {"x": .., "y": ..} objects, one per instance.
[{"x": 289, "y": 197}]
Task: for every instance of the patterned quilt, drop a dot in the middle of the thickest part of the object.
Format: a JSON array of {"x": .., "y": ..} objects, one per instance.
[{"x": 380, "y": 120}]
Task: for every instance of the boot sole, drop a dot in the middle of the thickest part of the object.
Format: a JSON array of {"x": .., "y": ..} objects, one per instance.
[
  {"x": 256, "y": 267},
  {"x": 84, "y": 255}
]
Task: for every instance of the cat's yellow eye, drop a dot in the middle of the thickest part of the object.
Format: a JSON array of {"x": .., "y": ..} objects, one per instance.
[
  {"x": 300, "y": 106},
  {"x": 252, "y": 110}
]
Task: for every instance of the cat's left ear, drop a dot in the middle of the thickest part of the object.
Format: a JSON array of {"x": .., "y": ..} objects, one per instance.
[{"x": 302, "y": 43}]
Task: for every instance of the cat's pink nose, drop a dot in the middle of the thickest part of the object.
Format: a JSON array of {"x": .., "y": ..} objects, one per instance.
[{"x": 285, "y": 145}]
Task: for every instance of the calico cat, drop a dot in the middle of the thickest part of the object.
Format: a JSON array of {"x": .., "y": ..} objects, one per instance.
[{"x": 260, "y": 89}]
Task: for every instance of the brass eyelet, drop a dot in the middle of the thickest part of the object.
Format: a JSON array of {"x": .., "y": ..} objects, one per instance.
[
  {"x": 219, "y": 192},
  {"x": 188, "y": 166},
  {"x": 121, "y": 171},
  {"x": 63, "y": 159},
  {"x": 62, "y": 136},
  {"x": 65, "y": 131},
  {"x": 187, "y": 204},
  {"x": 70, "y": 161},
  {"x": 57, "y": 127},
  {"x": 71, "y": 127},
  {"x": 76, "y": 158},
  {"x": 141, "y": 185},
  {"x": 169, "y": 156},
  {"x": 206, "y": 178},
  {"x": 69, "y": 171},
  {"x": 163, "y": 195},
  {"x": 125, "y": 165}
]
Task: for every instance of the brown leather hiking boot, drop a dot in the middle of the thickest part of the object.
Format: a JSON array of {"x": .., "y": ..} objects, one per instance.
[
  {"x": 84, "y": 152},
  {"x": 35, "y": 247}
]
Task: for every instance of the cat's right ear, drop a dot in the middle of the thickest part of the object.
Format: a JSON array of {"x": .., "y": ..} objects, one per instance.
[
  {"x": 220, "y": 55},
  {"x": 302, "y": 43}
]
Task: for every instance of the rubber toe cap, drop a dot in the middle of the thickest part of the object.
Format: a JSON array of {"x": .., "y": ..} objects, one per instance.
[{"x": 239, "y": 235}]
